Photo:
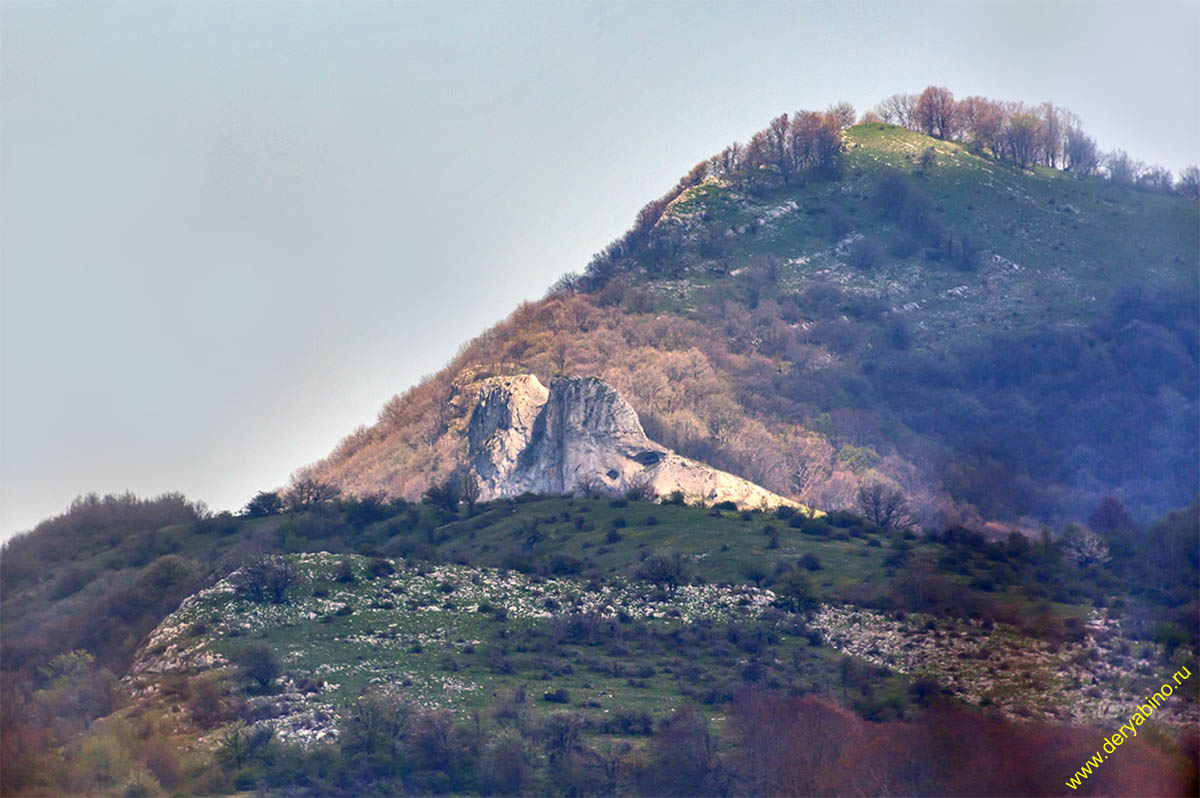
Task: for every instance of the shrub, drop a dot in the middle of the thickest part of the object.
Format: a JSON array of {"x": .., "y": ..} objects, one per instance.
[
  {"x": 264, "y": 503},
  {"x": 641, "y": 491},
  {"x": 675, "y": 497},
  {"x": 865, "y": 254},
  {"x": 794, "y": 592},
  {"x": 810, "y": 562},
  {"x": 258, "y": 663},
  {"x": 380, "y": 567},
  {"x": 559, "y": 696},
  {"x": 665, "y": 568},
  {"x": 208, "y": 703},
  {"x": 264, "y": 579},
  {"x": 629, "y": 721},
  {"x": 345, "y": 572},
  {"x": 840, "y": 224}
]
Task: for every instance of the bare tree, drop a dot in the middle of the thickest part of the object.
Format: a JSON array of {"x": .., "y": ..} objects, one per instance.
[
  {"x": 1110, "y": 516},
  {"x": 1189, "y": 182},
  {"x": 884, "y": 506},
  {"x": 568, "y": 285},
  {"x": 445, "y": 495},
  {"x": 265, "y": 578},
  {"x": 982, "y": 121},
  {"x": 1121, "y": 168},
  {"x": 727, "y": 161},
  {"x": 816, "y": 141},
  {"x": 899, "y": 109},
  {"x": 1156, "y": 178},
  {"x": 258, "y": 663},
  {"x": 755, "y": 156},
  {"x": 1021, "y": 137},
  {"x": 469, "y": 489},
  {"x": 843, "y": 114},
  {"x": 936, "y": 113},
  {"x": 779, "y": 147},
  {"x": 306, "y": 493},
  {"x": 1079, "y": 153},
  {"x": 374, "y": 723},
  {"x": 641, "y": 490},
  {"x": 1084, "y": 547},
  {"x": 1051, "y": 133},
  {"x": 592, "y": 488}
]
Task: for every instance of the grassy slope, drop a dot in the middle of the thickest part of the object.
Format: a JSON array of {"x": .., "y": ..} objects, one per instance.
[
  {"x": 420, "y": 632},
  {"x": 429, "y": 632},
  {"x": 1073, "y": 241}
]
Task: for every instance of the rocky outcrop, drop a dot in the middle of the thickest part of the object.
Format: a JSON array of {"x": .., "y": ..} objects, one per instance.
[{"x": 581, "y": 436}]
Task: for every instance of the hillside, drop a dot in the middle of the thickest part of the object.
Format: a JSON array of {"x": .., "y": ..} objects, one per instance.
[
  {"x": 858, "y": 472},
  {"x": 615, "y": 617},
  {"x": 1003, "y": 344}
]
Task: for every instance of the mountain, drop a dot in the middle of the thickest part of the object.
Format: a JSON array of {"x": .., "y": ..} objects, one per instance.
[
  {"x": 612, "y": 547},
  {"x": 1002, "y": 344}
]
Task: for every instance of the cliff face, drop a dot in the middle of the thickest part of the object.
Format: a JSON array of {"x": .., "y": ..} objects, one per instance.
[{"x": 580, "y": 435}]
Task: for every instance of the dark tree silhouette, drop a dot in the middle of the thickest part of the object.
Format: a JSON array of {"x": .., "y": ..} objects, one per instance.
[
  {"x": 308, "y": 493},
  {"x": 264, "y": 503},
  {"x": 258, "y": 663},
  {"x": 468, "y": 487},
  {"x": 779, "y": 147},
  {"x": 447, "y": 495},
  {"x": 665, "y": 568},
  {"x": 264, "y": 579}
]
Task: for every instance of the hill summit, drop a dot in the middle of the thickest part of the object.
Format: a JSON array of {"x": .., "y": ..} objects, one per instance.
[{"x": 1000, "y": 340}]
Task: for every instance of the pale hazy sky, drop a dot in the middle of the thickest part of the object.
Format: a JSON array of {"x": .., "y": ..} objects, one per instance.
[{"x": 232, "y": 230}]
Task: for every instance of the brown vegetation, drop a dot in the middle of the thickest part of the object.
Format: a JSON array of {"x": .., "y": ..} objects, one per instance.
[
  {"x": 808, "y": 746},
  {"x": 710, "y": 397}
]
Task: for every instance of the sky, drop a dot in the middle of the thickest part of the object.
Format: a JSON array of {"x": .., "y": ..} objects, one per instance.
[{"x": 229, "y": 232}]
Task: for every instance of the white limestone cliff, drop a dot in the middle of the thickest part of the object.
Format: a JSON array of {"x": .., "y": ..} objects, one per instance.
[{"x": 581, "y": 436}]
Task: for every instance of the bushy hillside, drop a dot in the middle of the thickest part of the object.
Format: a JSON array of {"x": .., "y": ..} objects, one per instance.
[
  {"x": 1001, "y": 343},
  {"x": 303, "y": 631}
]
